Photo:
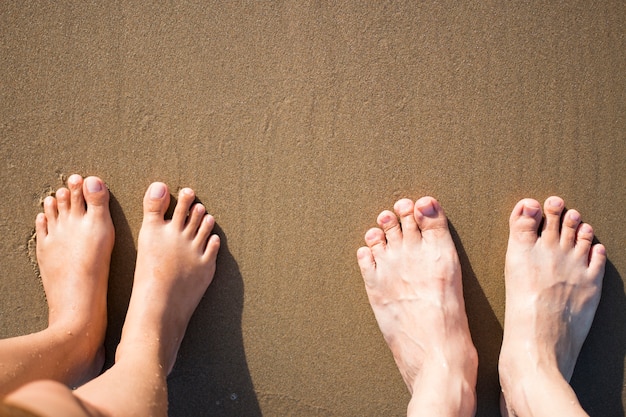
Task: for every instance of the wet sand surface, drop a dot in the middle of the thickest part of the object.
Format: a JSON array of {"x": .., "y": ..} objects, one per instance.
[{"x": 297, "y": 123}]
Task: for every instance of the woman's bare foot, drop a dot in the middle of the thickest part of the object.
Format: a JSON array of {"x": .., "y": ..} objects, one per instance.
[
  {"x": 175, "y": 265},
  {"x": 553, "y": 285},
  {"x": 413, "y": 280},
  {"x": 74, "y": 237}
]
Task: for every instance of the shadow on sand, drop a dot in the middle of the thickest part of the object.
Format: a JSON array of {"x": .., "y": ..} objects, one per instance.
[
  {"x": 486, "y": 335},
  {"x": 599, "y": 374},
  {"x": 211, "y": 376}
]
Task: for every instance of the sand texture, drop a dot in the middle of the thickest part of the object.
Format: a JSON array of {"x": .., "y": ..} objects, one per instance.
[{"x": 297, "y": 122}]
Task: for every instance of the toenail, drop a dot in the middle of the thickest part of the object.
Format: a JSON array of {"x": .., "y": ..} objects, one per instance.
[
  {"x": 530, "y": 211},
  {"x": 93, "y": 185},
  {"x": 188, "y": 191},
  {"x": 385, "y": 219},
  {"x": 428, "y": 210},
  {"x": 157, "y": 191},
  {"x": 554, "y": 202},
  {"x": 574, "y": 216},
  {"x": 585, "y": 228}
]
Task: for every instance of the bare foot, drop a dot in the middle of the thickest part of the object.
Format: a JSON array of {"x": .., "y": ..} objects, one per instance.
[
  {"x": 553, "y": 285},
  {"x": 175, "y": 265},
  {"x": 413, "y": 280},
  {"x": 75, "y": 238}
]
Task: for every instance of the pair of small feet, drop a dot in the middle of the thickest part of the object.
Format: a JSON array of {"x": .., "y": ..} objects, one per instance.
[
  {"x": 412, "y": 276},
  {"x": 175, "y": 265}
]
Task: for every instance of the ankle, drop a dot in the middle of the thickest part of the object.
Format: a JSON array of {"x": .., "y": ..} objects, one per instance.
[{"x": 445, "y": 388}]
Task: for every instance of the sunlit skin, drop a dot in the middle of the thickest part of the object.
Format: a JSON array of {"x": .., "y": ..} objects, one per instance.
[
  {"x": 553, "y": 279},
  {"x": 175, "y": 265}
]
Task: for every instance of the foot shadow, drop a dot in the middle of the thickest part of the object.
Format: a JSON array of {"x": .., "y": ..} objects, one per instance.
[
  {"x": 486, "y": 335},
  {"x": 121, "y": 275},
  {"x": 599, "y": 374},
  {"x": 211, "y": 376}
]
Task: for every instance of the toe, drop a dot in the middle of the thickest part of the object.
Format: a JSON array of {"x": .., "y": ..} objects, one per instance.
[
  {"x": 524, "y": 221},
  {"x": 194, "y": 220},
  {"x": 156, "y": 202},
  {"x": 212, "y": 248},
  {"x": 553, "y": 209},
  {"x": 77, "y": 202},
  {"x": 389, "y": 223},
  {"x": 63, "y": 200},
  {"x": 186, "y": 196},
  {"x": 50, "y": 209},
  {"x": 366, "y": 264},
  {"x": 405, "y": 209},
  {"x": 375, "y": 240},
  {"x": 571, "y": 221},
  {"x": 584, "y": 240},
  {"x": 96, "y": 195},
  {"x": 430, "y": 217},
  {"x": 597, "y": 261},
  {"x": 41, "y": 226}
]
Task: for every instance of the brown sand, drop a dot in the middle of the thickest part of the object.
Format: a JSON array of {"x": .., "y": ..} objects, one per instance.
[{"x": 297, "y": 122}]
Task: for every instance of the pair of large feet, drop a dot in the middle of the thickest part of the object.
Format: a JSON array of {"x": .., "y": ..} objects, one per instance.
[
  {"x": 412, "y": 276},
  {"x": 175, "y": 265}
]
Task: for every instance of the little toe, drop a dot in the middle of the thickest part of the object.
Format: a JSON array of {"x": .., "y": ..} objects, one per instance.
[
  {"x": 63, "y": 200},
  {"x": 96, "y": 195},
  {"x": 194, "y": 220},
  {"x": 571, "y": 221},
  {"x": 430, "y": 217},
  {"x": 50, "y": 209},
  {"x": 389, "y": 223},
  {"x": 553, "y": 209},
  {"x": 41, "y": 226},
  {"x": 156, "y": 202},
  {"x": 186, "y": 196},
  {"x": 77, "y": 202},
  {"x": 584, "y": 240},
  {"x": 405, "y": 209},
  {"x": 597, "y": 260},
  {"x": 524, "y": 221},
  {"x": 212, "y": 247},
  {"x": 367, "y": 264}
]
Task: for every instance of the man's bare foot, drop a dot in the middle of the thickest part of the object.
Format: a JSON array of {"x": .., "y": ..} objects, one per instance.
[
  {"x": 75, "y": 238},
  {"x": 175, "y": 265},
  {"x": 413, "y": 280},
  {"x": 553, "y": 285}
]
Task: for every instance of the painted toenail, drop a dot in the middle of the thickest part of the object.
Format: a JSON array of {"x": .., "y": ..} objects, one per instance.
[
  {"x": 530, "y": 211},
  {"x": 428, "y": 210},
  {"x": 157, "y": 191},
  {"x": 93, "y": 185}
]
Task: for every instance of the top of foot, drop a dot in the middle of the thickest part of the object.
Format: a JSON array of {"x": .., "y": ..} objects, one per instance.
[
  {"x": 75, "y": 239},
  {"x": 413, "y": 280},
  {"x": 175, "y": 265},
  {"x": 553, "y": 285}
]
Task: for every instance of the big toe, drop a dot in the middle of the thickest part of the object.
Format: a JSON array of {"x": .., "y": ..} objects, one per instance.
[
  {"x": 524, "y": 221},
  {"x": 430, "y": 218},
  {"x": 96, "y": 194},
  {"x": 155, "y": 202}
]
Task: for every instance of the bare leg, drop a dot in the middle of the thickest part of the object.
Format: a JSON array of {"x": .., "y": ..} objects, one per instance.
[
  {"x": 175, "y": 265},
  {"x": 413, "y": 280},
  {"x": 74, "y": 242},
  {"x": 553, "y": 285}
]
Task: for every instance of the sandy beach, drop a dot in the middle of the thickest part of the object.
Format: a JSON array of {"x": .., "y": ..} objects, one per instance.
[{"x": 297, "y": 123}]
